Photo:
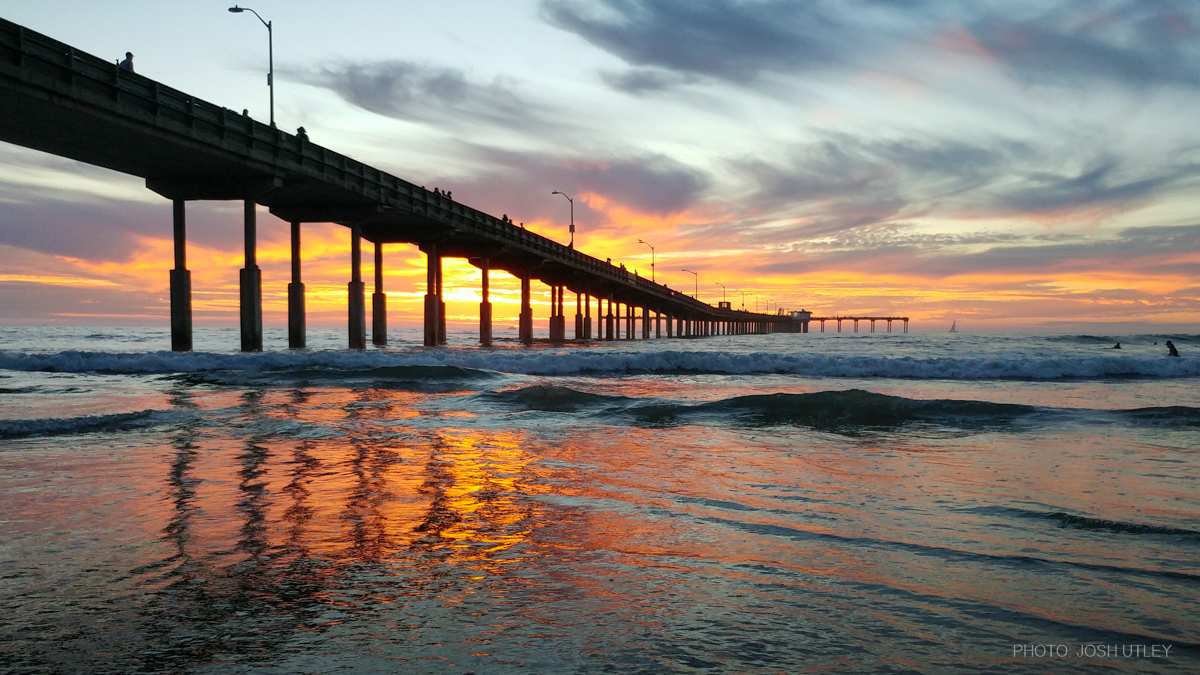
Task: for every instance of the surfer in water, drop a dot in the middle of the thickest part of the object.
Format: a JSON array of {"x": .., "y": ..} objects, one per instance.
[
  {"x": 1171, "y": 351},
  {"x": 1117, "y": 346}
]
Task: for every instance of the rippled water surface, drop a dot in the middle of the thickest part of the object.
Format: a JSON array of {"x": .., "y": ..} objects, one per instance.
[{"x": 780, "y": 503}]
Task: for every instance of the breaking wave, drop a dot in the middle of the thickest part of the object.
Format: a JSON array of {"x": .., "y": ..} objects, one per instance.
[
  {"x": 826, "y": 409},
  {"x": 85, "y": 424},
  {"x": 850, "y": 408},
  {"x": 1079, "y": 522},
  {"x": 607, "y": 361}
]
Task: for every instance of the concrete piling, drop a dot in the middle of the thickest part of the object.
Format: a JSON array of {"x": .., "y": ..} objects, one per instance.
[
  {"x": 181, "y": 284},
  {"x": 485, "y": 306},
  {"x": 250, "y": 284},
  {"x": 378, "y": 302},
  {"x": 356, "y": 315},
  {"x": 297, "y": 337}
]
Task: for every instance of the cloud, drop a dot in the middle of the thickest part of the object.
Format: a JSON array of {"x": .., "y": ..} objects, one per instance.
[
  {"x": 726, "y": 40},
  {"x": 1143, "y": 251},
  {"x": 1104, "y": 184},
  {"x": 1134, "y": 44},
  {"x": 639, "y": 81},
  {"x": 842, "y": 182},
  {"x": 430, "y": 94},
  {"x": 520, "y": 182}
]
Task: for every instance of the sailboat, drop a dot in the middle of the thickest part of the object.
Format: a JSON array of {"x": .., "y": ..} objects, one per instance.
[{"x": 954, "y": 326}]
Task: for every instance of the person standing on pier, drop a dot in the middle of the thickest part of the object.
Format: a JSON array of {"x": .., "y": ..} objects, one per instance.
[{"x": 127, "y": 64}]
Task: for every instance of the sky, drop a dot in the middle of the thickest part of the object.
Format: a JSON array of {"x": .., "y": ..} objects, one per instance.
[{"x": 1008, "y": 165}]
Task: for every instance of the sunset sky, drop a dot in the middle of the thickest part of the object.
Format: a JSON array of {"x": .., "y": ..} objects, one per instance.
[{"x": 1008, "y": 165}]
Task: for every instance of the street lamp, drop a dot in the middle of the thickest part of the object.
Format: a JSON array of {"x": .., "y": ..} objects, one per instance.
[
  {"x": 696, "y": 292},
  {"x": 270, "y": 54},
  {"x": 743, "y": 301},
  {"x": 642, "y": 241},
  {"x": 572, "y": 202},
  {"x": 723, "y": 289}
]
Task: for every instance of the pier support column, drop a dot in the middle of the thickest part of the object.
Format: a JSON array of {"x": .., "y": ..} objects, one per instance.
[
  {"x": 485, "y": 305},
  {"x": 587, "y": 316},
  {"x": 356, "y": 306},
  {"x": 297, "y": 337},
  {"x": 580, "y": 332},
  {"x": 181, "y": 284},
  {"x": 250, "y": 285},
  {"x": 599, "y": 318},
  {"x": 645, "y": 323},
  {"x": 433, "y": 303},
  {"x": 657, "y": 325},
  {"x": 608, "y": 321},
  {"x": 670, "y": 326},
  {"x": 561, "y": 318},
  {"x": 906, "y": 325},
  {"x": 525, "y": 318},
  {"x": 441, "y": 295},
  {"x": 378, "y": 302}
]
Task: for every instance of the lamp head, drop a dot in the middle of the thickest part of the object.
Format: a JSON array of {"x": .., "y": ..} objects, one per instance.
[
  {"x": 236, "y": 10},
  {"x": 556, "y": 192}
]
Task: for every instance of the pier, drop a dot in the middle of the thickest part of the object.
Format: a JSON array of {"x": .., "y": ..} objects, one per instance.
[
  {"x": 854, "y": 320},
  {"x": 60, "y": 100}
]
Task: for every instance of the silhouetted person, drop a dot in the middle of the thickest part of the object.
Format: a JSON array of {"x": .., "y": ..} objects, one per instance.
[
  {"x": 127, "y": 64},
  {"x": 1171, "y": 351},
  {"x": 449, "y": 194},
  {"x": 246, "y": 113},
  {"x": 301, "y": 134},
  {"x": 1117, "y": 346}
]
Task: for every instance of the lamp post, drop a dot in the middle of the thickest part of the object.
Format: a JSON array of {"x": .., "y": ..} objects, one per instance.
[
  {"x": 743, "y": 301},
  {"x": 270, "y": 54},
  {"x": 723, "y": 289},
  {"x": 643, "y": 241},
  {"x": 696, "y": 292},
  {"x": 572, "y": 202}
]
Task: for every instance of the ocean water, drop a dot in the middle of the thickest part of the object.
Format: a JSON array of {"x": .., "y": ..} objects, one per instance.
[{"x": 783, "y": 503}]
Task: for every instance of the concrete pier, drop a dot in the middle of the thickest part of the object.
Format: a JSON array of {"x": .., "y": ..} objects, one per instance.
[
  {"x": 378, "y": 302},
  {"x": 250, "y": 285},
  {"x": 485, "y": 305},
  {"x": 181, "y": 284},
  {"x": 75, "y": 108},
  {"x": 356, "y": 303},
  {"x": 433, "y": 303},
  {"x": 297, "y": 337}
]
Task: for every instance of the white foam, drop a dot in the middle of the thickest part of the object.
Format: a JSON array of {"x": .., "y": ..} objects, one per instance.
[{"x": 614, "y": 362}]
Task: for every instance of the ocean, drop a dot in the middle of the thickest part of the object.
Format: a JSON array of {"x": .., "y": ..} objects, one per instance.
[{"x": 771, "y": 503}]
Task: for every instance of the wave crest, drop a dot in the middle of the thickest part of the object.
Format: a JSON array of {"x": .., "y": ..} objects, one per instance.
[
  {"x": 614, "y": 362},
  {"x": 83, "y": 424}
]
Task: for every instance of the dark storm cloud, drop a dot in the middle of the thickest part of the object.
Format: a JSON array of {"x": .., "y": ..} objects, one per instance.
[
  {"x": 519, "y": 183},
  {"x": 425, "y": 93},
  {"x": 1071, "y": 43}
]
